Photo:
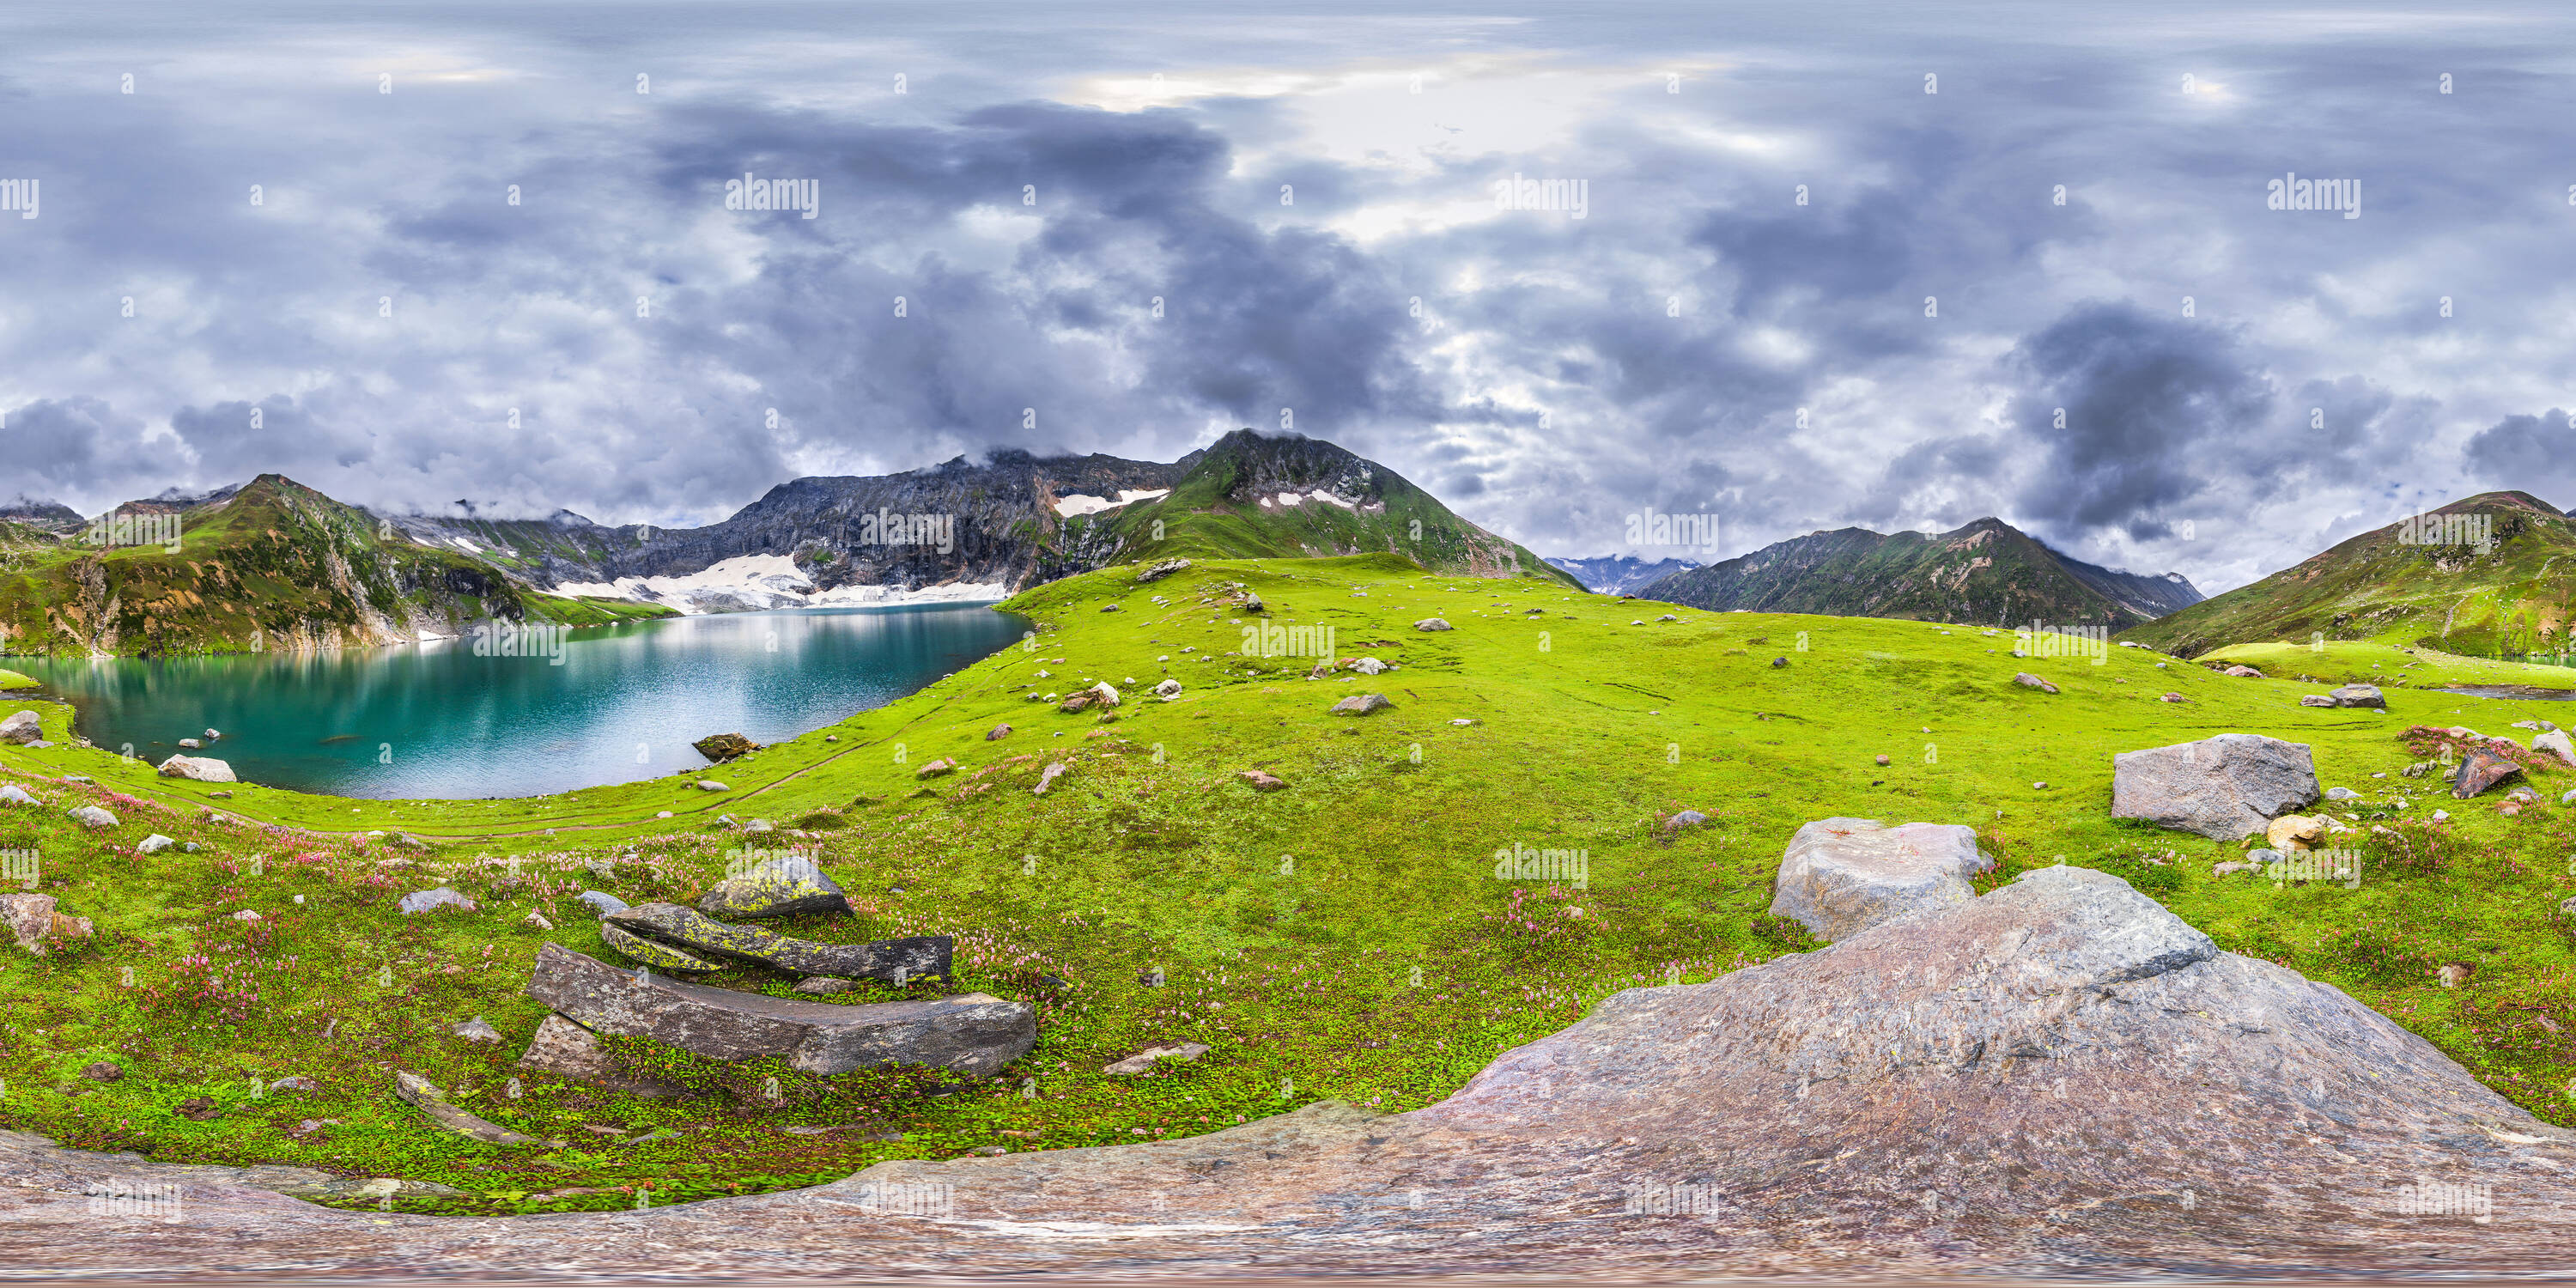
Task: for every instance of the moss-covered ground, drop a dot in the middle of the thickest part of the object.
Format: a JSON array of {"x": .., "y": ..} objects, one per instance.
[{"x": 1346, "y": 937}]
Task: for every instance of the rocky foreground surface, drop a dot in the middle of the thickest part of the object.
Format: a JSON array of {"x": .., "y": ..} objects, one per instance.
[{"x": 2058, "y": 1078}]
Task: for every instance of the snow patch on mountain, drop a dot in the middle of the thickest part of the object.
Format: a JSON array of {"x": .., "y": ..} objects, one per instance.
[
  {"x": 1075, "y": 503},
  {"x": 751, "y": 583}
]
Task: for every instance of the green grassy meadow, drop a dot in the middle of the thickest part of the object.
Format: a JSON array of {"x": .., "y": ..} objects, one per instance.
[{"x": 1343, "y": 938}]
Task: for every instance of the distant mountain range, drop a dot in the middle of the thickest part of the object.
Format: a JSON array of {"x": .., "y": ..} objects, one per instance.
[
  {"x": 1619, "y": 574},
  {"x": 2487, "y": 574},
  {"x": 272, "y": 564},
  {"x": 1987, "y": 573}
]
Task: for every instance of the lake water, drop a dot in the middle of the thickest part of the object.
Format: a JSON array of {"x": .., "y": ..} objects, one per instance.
[
  {"x": 437, "y": 720},
  {"x": 2522, "y": 692}
]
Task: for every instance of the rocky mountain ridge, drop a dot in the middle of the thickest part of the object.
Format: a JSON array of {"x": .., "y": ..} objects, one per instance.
[{"x": 1985, "y": 573}]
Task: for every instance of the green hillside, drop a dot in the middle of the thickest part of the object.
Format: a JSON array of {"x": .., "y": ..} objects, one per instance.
[
  {"x": 1234, "y": 503},
  {"x": 275, "y": 566},
  {"x": 1342, "y": 938},
  {"x": 2509, "y": 599}
]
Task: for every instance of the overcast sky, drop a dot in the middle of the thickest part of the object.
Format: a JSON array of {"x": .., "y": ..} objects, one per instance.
[{"x": 1309, "y": 191}]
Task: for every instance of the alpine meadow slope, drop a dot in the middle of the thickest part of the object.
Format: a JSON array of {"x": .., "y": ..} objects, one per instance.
[{"x": 2487, "y": 575}]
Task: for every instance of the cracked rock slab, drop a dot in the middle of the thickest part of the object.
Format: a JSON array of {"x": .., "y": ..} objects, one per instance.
[
  {"x": 893, "y": 960},
  {"x": 973, "y": 1033}
]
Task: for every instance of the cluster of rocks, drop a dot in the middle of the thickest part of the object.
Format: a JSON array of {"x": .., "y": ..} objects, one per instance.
[
  {"x": 974, "y": 1033},
  {"x": 2350, "y": 695}
]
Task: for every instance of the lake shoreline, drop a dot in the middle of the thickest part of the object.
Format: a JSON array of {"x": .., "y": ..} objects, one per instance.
[{"x": 523, "y": 713}]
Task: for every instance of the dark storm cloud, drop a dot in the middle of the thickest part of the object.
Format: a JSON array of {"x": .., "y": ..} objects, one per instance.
[
  {"x": 618, "y": 343},
  {"x": 2148, "y": 403},
  {"x": 2535, "y": 454}
]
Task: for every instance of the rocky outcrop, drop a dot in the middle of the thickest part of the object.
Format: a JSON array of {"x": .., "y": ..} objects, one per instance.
[
  {"x": 2223, "y": 788},
  {"x": 2057, "y": 1079},
  {"x": 1842, "y": 876},
  {"x": 721, "y": 747},
  {"x": 2479, "y": 770},
  {"x": 972, "y": 1033},
  {"x": 894, "y": 960}
]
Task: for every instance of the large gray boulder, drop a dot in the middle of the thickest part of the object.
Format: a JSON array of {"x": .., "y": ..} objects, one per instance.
[
  {"x": 1842, "y": 876},
  {"x": 899, "y": 960},
  {"x": 2058, "y": 1080},
  {"x": 202, "y": 769},
  {"x": 2359, "y": 695},
  {"x": 2222, "y": 788},
  {"x": 22, "y": 728},
  {"x": 775, "y": 888},
  {"x": 973, "y": 1033}
]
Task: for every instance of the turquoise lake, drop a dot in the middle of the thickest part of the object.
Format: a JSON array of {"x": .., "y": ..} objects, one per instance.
[{"x": 437, "y": 720}]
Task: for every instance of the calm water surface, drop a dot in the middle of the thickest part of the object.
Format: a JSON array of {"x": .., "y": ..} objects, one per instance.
[{"x": 435, "y": 720}]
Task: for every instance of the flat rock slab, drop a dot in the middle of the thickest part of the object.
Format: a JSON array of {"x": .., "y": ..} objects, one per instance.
[
  {"x": 1842, "y": 876},
  {"x": 636, "y": 948},
  {"x": 894, "y": 960},
  {"x": 2223, "y": 788},
  {"x": 1887, "y": 1108},
  {"x": 973, "y": 1032}
]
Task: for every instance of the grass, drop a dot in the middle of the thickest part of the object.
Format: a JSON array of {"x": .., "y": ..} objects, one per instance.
[
  {"x": 2369, "y": 662},
  {"x": 12, "y": 680},
  {"x": 1344, "y": 938}
]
